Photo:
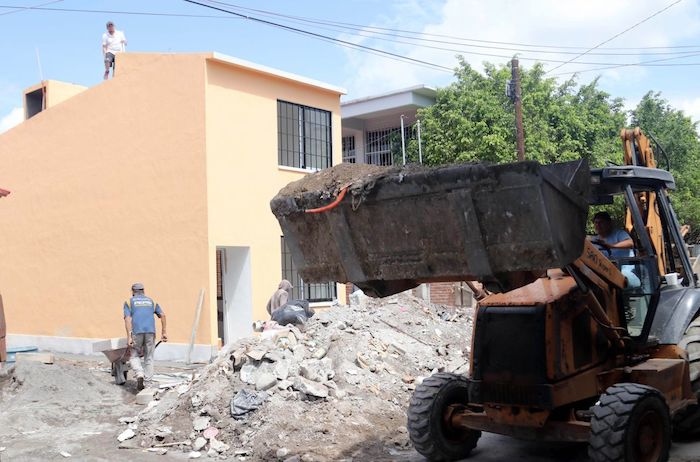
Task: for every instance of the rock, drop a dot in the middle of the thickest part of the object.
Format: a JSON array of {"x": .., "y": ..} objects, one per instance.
[
  {"x": 197, "y": 400},
  {"x": 342, "y": 326},
  {"x": 273, "y": 356},
  {"x": 65, "y": 454},
  {"x": 299, "y": 352},
  {"x": 317, "y": 370},
  {"x": 248, "y": 374},
  {"x": 159, "y": 451},
  {"x": 218, "y": 446},
  {"x": 256, "y": 354},
  {"x": 310, "y": 388},
  {"x": 319, "y": 353},
  {"x": 201, "y": 423},
  {"x": 292, "y": 340},
  {"x": 265, "y": 382},
  {"x": 441, "y": 350},
  {"x": 145, "y": 396},
  {"x": 199, "y": 444},
  {"x": 282, "y": 453},
  {"x": 210, "y": 411},
  {"x": 408, "y": 379},
  {"x": 127, "y": 420},
  {"x": 337, "y": 393},
  {"x": 403, "y": 430},
  {"x": 194, "y": 455},
  {"x": 212, "y": 454},
  {"x": 238, "y": 357},
  {"x": 282, "y": 369},
  {"x": 293, "y": 459},
  {"x": 419, "y": 380},
  {"x": 126, "y": 435},
  {"x": 284, "y": 384},
  {"x": 307, "y": 458}
]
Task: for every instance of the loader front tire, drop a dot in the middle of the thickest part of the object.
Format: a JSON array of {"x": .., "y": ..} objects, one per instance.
[
  {"x": 630, "y": 423},
  {"x": 430, "y": 433}
]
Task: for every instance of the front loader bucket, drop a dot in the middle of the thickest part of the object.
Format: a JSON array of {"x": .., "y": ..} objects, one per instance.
[{"x": 395, "y": 228}]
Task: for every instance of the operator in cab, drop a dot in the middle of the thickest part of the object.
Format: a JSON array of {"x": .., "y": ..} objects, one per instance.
[{"x": 615, "y": 243}]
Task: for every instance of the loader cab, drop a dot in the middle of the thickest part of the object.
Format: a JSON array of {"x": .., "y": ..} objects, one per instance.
[{"x": 652, "y": 224}]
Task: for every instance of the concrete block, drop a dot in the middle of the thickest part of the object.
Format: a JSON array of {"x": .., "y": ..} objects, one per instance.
[
  {"x": 145, "y": 396},
  {"x": 46, "y": 358},
  {"x": 108, "y": 344}
]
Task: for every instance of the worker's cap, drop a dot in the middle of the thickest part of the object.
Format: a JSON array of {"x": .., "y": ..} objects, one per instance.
[
  {"x": 137, "y": 286},
  {"x": 110, "y": 23}
]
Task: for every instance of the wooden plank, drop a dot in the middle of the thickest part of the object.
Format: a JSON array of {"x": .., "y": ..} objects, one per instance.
[
  {"x": 195, "y": 324},
  {"x": 46, "y": 358}
]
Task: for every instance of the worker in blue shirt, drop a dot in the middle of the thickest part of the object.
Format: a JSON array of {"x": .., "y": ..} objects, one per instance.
[{"x": 141, "y": 331}]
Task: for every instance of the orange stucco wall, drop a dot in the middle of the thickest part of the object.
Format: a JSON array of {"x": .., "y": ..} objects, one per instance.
[
  {"x": 108, "y": 188},
  {"x": 242, "y": 166}
]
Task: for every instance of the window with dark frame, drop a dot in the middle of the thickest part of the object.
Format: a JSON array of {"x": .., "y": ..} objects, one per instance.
[
  {"x": 304, "y": 136},
  {"x": 316, "y": 292}
]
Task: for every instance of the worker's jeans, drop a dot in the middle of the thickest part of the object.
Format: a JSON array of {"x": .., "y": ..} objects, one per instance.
[{"x": 145, "y": 343}]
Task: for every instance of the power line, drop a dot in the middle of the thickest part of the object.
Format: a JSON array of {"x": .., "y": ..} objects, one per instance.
[
  {"x": 374, "y": 30},
  {"x": 326, "y": 38},
  {"x": 651, "y": 63},
  {"x": 24, "y": 8},
  {"x": 354, "y": 26},
  {"x": 17, "y": 9},
  {"x": 617, "y": 35}
]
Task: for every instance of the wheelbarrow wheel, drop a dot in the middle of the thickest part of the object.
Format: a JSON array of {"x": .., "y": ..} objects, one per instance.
[{"x": 119, "y": 371}]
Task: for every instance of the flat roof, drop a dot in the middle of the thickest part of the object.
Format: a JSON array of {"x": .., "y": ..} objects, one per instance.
[
  {"x": 422, "y": 90},
  {"x": 276, "y": 72}
]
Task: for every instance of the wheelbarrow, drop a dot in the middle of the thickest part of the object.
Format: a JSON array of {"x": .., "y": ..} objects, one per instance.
[{"x": 119, "y": 357}]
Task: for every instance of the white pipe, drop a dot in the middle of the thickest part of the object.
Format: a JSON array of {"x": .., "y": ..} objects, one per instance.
[
  {"x": 403, "y": 142},
  {"x": 420, "y": 148}
]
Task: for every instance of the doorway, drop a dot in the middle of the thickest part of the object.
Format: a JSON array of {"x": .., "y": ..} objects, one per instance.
[{"x": 234, "y": 293}]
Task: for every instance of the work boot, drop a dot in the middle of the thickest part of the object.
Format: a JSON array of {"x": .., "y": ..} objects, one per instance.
[{"x": 139, "y": 383}]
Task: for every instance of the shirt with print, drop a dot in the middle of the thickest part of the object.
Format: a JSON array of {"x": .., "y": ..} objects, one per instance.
[
  {"x": 141, "y": 310},
  {"x": 113, "y": 42},
  {"x": 615, "y": 236}
]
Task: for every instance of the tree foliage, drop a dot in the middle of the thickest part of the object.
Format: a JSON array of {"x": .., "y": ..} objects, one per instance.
[
  {"x": 677, "y": 134},
  {"x": 473, "y": 120}
]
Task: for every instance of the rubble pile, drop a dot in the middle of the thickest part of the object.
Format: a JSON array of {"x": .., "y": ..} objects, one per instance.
[{"x": 336, "y": 389}]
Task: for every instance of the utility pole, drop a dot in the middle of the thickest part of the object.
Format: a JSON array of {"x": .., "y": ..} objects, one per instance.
[{"x": 516, "y": 98}]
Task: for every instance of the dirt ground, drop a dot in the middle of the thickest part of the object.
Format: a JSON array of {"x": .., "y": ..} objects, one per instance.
[{"x": 71, "y": 406}]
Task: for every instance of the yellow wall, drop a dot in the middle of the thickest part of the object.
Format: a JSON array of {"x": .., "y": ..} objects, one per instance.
[
  {"x": 242, "y": 166},
  {"x": 108, "y": 188},
  {"x": 140, "y": 179}
]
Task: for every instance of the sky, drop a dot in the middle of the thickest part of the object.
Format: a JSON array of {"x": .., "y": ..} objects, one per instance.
[{"x": 66, "y": 45}]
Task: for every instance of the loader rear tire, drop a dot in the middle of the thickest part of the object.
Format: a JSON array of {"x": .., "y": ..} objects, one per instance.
[
  {"x": 687, "y": 423},
  {"x": 430, "y": 433},
  {"x": 630, "y": 423}
]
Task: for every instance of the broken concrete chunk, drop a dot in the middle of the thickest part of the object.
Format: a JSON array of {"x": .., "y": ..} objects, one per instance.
[
  {"x": 282, "y": 453},
  {"x": 282, "y": 369},
  {"x": 145, "y": 396},
  {"x": 257, "y": 354},
  {"x": 284, "y": 384},
  {"x": 265, "y": 382},
  {"x": 310, "y": 388},
  {"x": 126, "y": 435},
  {"x": 159, "y": 451},
  {"x": 248, "y": 373},
  {"x": 199, "y": 444},
  {"x": 65, "y": 454},
  {"x": 319, "y": 353},
  {"x": 201, "y": 423},
  {"x": 218, "y": 446},
  {"x": 194, "y": 455}
]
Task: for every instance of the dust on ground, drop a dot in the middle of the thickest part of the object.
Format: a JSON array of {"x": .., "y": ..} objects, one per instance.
[{"x": 70, "y": 407}]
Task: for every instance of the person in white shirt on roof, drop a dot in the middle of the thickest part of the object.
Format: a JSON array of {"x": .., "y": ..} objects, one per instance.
[{"x": 113, "y": 42}]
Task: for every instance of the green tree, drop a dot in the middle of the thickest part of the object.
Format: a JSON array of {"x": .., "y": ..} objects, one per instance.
[
  {"x": 677, "y": 134},
  {"x": 473, "y": 119}
]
